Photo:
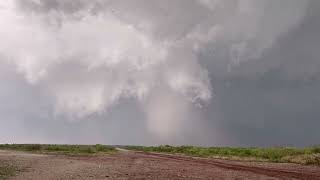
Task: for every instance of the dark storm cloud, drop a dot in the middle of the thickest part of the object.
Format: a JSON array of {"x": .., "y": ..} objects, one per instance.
[
  {"x": 197, "y": 72},
  {"x": 274, "y": 100}
]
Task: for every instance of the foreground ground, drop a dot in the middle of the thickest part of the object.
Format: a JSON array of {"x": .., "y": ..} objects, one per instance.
[{"x": 138, "y": 165}]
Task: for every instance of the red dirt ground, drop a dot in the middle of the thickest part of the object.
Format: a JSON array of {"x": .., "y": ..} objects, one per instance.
[{"x": 138, "y": 165}]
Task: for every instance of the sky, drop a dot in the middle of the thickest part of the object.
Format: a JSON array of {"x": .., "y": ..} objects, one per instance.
[{"x": 149, "y": 72}]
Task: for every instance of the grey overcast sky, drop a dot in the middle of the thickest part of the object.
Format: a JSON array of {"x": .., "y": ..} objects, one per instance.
[{"x": 149, "y": 72}]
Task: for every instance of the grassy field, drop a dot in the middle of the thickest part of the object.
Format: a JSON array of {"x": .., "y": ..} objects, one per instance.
[
  {"x": 65, "y": 149},
  {"x": 307, "y": 156}
]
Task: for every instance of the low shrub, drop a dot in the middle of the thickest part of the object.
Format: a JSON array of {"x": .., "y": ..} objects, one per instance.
[{"x": 69, "y": 149}]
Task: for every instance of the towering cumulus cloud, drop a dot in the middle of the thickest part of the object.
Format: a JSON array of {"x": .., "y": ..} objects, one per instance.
[{"x": 87, "y": 55}]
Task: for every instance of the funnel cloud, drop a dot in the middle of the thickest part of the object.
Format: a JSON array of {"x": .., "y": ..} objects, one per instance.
[{"x": 199, "y": 72}]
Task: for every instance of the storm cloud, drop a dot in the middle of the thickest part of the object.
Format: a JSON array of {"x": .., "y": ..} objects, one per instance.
[{"x": 236, "y": 72}]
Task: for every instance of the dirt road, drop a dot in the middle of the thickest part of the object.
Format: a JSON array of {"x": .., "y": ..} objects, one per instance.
[{"x": 138, "y": 165}]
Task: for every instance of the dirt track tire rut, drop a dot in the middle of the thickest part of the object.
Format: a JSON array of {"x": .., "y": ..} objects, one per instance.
[{"x": 257, "y": 170}]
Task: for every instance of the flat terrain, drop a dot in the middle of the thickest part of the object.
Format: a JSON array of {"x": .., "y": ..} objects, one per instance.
[{"x": 142, "y": 165}]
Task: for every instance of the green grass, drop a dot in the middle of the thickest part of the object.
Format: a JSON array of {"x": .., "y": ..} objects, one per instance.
[
  {"x": 308, "y": 156},
  {"x": 54, "y": 148}
]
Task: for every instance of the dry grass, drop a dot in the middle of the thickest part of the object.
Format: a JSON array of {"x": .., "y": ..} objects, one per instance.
[{"x": 7, "y": 170}]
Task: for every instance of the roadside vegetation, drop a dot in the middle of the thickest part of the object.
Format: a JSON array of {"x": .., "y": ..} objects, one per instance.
[
  {"x": 63, "y": 149},
  {"x": 7, "y": 170},
  {"x": 306, "y": 156}
]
